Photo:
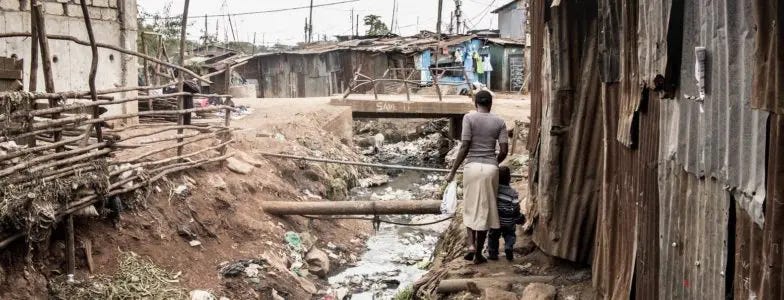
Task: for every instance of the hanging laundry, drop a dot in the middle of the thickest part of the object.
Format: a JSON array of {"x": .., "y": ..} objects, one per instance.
[
  {"x": 445, "y": 51},
  {"x": 488, "y": 65},
  {"x": 480, "y": 65},
  {"x": 468, "y": 64},
  {"x": 458, "y": 56}
]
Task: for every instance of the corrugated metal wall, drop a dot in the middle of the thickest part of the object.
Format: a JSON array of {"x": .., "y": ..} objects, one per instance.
[
  {"x": 698, "y": 181},
  {"x": 568, "y": 184}
]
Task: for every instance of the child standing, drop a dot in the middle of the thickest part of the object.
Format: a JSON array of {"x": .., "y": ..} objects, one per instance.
[{"x": 509, "y": 215}]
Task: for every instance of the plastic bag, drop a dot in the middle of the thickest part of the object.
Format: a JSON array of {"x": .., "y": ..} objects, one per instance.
[{"x": 449, "y": 202}]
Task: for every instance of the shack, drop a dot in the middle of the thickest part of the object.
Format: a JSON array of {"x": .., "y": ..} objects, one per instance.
[{"x": 325, "y": 68}]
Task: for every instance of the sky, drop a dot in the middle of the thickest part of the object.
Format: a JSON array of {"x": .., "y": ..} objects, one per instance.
[{"x": 288, "y": 27}]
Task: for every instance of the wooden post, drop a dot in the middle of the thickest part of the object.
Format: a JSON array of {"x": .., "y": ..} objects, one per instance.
[
  {"x": 94, "y": 68},
  {"x": 70, "y": 247},
  {"x": 227, "y": 79},
  {"x": 181, "y": 77},
  {"x": 226, "y": 123},
  {"x": 353, "y": 81},
  {"x": 146, "y": 71},
  {"x": 375, "y": 84},
  {"x": 435, "y": 83},
  {"x": 33, "y": 50}
]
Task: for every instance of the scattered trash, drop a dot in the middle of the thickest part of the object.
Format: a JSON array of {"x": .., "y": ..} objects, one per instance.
[
  {"x": 280, "y": 137},
  {"x": 194, "y": 243},
  {"x": 180, "y": 190},
  {"x": 239, "y": 267}
]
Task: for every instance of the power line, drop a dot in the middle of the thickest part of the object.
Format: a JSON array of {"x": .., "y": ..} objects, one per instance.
[{"x": 258, "y": 12}]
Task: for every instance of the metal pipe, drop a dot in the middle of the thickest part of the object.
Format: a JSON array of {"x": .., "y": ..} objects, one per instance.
[
  {"x": 363, "y": 164},
  {"x": 352, "y": 207}
]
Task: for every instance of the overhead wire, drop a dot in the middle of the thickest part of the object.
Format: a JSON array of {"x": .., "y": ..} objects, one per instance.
[{"x": 256, "y": 12}]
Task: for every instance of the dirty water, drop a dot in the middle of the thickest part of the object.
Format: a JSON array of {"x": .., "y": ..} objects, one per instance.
[{"x": 396, "y": 256}]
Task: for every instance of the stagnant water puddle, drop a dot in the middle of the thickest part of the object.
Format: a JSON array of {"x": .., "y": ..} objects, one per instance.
[{"x": 396, "y": 255}]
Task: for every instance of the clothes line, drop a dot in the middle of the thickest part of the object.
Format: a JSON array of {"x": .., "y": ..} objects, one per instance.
[{"x": 363, "y": 164}]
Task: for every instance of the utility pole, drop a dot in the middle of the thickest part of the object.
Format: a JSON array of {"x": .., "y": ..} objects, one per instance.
[
  {"x": 451, "y": 22},
  {"x": 310, "y": 25},
  {"x": 254, "y": 43},
  {"x": 357, "y": 20},
  {"x": 458, "y": 14},
  {"x": 392, "y": 25},
  {"x": 352, "y": 21},
  {"x": 438, "y": 24},
  {"x": 231, "y": 26},
  {"x": 306, "y": 31},
  {"x": 206, "y": 35}
]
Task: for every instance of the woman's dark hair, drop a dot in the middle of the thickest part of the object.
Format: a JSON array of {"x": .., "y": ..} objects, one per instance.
[
  {"x": 483, "y": 98},
  {"x": 504, "y": 175}
]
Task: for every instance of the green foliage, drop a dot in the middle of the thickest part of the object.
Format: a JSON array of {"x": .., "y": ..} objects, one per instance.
[{"x": 377, "y": 27}]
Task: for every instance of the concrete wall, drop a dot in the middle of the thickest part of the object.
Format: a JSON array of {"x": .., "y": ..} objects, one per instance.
[
  {"x": 114, "y": 23},
  {"x": 511, "y": 21}
]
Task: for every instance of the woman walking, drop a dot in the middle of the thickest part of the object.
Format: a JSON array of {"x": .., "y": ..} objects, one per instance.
[{"x": 482, "y": 132}]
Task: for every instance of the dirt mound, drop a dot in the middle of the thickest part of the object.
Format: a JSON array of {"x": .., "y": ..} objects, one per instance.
[{"x": 196, "y": 222}]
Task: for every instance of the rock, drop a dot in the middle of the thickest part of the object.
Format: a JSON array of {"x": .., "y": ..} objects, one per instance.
[
  {"x": 248, "y": 159},
  {"x": 318, "y": 262},
  {"x": 275, "y": 295},
  {"x": 496, "y": 294},
  {"x": 306, "y": 285},
  {"x": 194, "y": 243},
  {"x": 539, "y": 291},
  {"x": 238, "y": 166},
  {"x": 218, "y": 182},
  {"x": 331, "y": 246},
  {"x": 201, "y": 295}
]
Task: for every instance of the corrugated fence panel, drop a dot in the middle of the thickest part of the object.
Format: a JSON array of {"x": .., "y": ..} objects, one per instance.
[
  {"x": 769, "y": 56},
  {"x": 721, "y": 137},
  {"x": 654, "y": 17},
  {"x": 569, "y": 161},
  {"x": 536, "y": 61},
  {"x": 693, "y": 218}
]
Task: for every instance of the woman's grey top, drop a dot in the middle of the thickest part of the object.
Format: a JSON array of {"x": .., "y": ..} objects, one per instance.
[{"x": 485, "y": 131}]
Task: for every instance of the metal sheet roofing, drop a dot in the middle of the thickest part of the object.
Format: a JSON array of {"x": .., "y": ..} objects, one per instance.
[{"x": 769, "y": 56}]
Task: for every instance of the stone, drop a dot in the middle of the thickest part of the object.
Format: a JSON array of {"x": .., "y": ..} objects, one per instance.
[
  {"x": 306, "y": 285},
  {"x": 248, "y": 159},
  {"x": 113, "y": 3},
  {"x": 496, "y": 294},
  {"x": 539, "y": 291},
  {"x": 252, "y": 270},
  {"x": 318, "y": 262},
  {"x": 9, "y": 5},
  {"x": 218, "y": 182},
  {"x": 201, "y": 295},
  {"x": 238, "y": 166},
  {"x": 101, "y": 3},
  {"x": 276, "y": 296},
  {"x": 194, "y": 243}
]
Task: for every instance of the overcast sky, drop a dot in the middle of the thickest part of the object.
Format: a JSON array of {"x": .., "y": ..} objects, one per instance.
[{"x": 288, "y": 27}]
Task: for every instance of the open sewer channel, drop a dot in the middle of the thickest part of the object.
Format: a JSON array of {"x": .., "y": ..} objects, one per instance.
[{"x": 396, "y": 256}]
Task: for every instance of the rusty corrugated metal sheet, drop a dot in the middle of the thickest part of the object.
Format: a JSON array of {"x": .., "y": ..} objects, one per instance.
[
  {"x": 693, "y": 218},
  {"x": 721, "y": 137},
  {"x": 627, "y": 226},
  {"x": 769, "y": 55},
  {"x": 535, "y": 84},
  {"x": 654, "y": 20},
  {"x": 570, "y": 146}
]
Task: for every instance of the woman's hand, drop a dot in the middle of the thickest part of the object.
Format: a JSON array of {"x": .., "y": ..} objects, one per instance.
[{"x": 450, "y": 177}]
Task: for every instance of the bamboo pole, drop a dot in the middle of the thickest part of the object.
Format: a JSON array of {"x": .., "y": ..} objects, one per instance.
[
  {"x": 353, "y": 81},
  {"x": 111, "y": 47},
  {"x": 78, "y": 94}
]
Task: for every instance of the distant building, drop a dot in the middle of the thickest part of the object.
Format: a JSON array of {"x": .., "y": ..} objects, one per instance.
[{"x": 512, "y": 20}]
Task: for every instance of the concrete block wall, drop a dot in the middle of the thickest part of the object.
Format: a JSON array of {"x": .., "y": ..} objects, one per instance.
[{"x": 114, "y": 23}]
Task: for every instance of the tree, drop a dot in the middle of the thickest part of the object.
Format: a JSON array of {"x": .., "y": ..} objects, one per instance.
[{"x": 377, "y": 27}]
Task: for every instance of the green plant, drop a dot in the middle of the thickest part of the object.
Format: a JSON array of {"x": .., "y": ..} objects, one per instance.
[{"x": 405, "y": 294}]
